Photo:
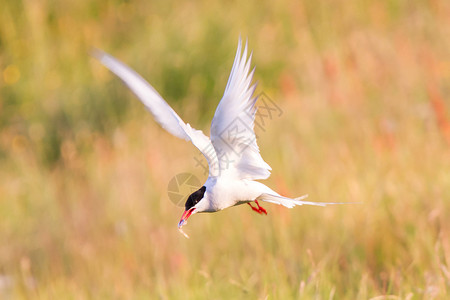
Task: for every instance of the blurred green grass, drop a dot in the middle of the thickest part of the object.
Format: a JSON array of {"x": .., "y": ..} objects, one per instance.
[{"x": 364, "y": 90}]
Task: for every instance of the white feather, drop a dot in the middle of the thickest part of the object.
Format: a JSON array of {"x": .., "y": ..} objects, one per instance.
[
  {"x": 159, "y": 108},
  {"x": 232, "y": 128}
]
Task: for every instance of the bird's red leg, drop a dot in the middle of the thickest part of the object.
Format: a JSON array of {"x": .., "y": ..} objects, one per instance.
[
  {"x": 260, "y": 208},
  {"x": 254, "y": 208}
]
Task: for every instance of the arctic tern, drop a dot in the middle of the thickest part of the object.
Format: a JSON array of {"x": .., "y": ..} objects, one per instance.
[{"x": 232, "y": 152}]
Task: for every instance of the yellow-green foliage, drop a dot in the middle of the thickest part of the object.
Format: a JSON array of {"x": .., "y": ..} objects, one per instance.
[{"x": 364, "y": 89}]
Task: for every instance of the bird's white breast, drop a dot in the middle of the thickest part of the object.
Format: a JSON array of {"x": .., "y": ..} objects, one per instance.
[{"x": 225, "y": 192}]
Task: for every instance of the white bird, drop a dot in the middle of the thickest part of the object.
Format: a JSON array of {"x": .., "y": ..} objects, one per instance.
[{"x": 232, "y": 152}]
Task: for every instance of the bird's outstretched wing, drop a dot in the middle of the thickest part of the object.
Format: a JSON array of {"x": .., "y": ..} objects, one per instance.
[
  {"x": 159, "y": 108},
  {"x": 232, "y": 128}
]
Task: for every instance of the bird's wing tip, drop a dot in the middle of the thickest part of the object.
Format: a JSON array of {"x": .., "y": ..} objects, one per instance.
[{"x": 98, "y": 54}]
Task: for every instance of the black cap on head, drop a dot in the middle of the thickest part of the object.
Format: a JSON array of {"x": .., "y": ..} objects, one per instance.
[{"x": 195, "y": 197}]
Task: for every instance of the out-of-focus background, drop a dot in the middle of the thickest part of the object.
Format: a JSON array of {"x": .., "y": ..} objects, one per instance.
[{"x": 363, "y": 87}]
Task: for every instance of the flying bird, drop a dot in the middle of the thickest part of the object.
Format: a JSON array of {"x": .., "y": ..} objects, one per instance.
[{"x": 232, "y": 153}]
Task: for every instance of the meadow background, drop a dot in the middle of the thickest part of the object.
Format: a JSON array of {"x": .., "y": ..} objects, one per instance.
[{"x": 364, "y": 88}]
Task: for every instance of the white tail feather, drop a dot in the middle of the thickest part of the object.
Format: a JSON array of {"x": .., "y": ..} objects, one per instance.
[{"x": 290, "y": 203}]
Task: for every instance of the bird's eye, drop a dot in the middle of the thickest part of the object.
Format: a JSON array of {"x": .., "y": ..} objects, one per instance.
[{"x": 195, "y": 197}]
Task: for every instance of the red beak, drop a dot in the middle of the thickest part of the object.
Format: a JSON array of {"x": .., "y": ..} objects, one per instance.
[{"x": 185, "y": 216}]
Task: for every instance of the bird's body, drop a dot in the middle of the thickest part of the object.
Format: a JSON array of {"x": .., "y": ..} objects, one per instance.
[
  {"x": 225, "y": 192},
  {"x": 233, "y": 156}
]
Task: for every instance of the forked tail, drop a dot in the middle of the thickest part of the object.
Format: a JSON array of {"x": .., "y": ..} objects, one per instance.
[{"x": 290, "y": 203}]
